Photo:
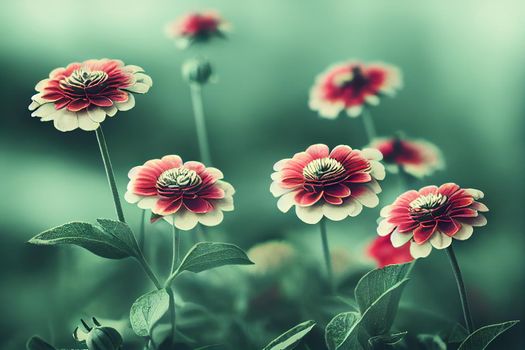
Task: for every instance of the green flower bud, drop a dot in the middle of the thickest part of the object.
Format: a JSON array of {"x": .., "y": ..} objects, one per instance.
[
  {"x": 197, "y": 70},
  {"x": 98, "y": 337}
]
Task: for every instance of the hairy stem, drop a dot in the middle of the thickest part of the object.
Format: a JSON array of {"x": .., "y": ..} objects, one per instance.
[
  {"x": 109, "y": 172},
  {"x": 461, "y": 289},
  {"x": 198, "y": 111}
]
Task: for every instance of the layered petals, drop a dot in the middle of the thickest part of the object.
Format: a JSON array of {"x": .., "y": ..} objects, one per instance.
[
  {"x": 432, "y": 217},
  {"x": 81, "y": 95},
  {"x": 353, "y": 86},
  {"x": 418, "y": 158},
  {"x": 182, "y": 193},
  {"x": 322, "y": 183}
]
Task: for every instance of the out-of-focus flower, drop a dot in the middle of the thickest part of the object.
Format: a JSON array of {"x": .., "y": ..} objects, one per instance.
[
  {"x": 384, "y": 253},
  {"x": 352, "y": 86},
  {"x": 431, "y": 217},
  {"x": 183, "y": 194},
  {"x": 197, "y": 27},
  {"x": 333, "y": 184},
  {"x": 270, "y": 257},
  {"x": 197, "y": 70},
  {"x": 342, "y": 261},
  {"x": 418, "y": 158},
  {"x": 82, "y": 94}
]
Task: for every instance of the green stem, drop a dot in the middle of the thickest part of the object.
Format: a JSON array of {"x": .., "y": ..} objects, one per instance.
[
  {"x": 326, "y": 253},
  {"x": 368, "y": 123},
  {"x": 109, "y": 172},
  {"x": 173, "y": 315},
  {"x": 461, "y": 289},
  {"x": 142, "y": 260},
  {"x": 175, "y": 257},
  {"x": 142, "y": 230},
  {"x": 198, "y": 111}
]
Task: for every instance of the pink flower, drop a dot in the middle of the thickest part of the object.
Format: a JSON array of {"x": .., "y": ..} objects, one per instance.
[
  {"x": 82, "y": 94},
  {"x": 351, "y": 86},
  {"x": 334, "y": 184},
  {"x": 197, "y": 27},
  {"x": 384, "y": 253},
  {"x": 418, "y": 158},
  {"x": 431, "y": 217},
  {"x": 184, "y": 194}
]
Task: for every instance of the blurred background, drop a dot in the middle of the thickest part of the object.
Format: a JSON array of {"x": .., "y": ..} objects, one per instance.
[{"x": 464, "y": 83}]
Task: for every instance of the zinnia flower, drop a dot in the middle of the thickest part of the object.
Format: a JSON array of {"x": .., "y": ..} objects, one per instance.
[
  {"x": 334, "y": 184},
  {"x": 352, "y": 86},
  {"x": 82, "y": 94},
  {"x": 384, "y": 253},
  {"x": 418, "y": 158},
  {"x": 197, "y": 27},
  {"x": 431, "y": 217},
  {"x": 184, "y": 194}
]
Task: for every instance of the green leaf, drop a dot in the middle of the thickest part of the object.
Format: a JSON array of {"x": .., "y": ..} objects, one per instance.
[
  {"x": 482, "y": 337},
  {"x": 147, "y": 310},
  {"x": 208, "y": 255},
  {"x": 431, "y": 342},
  {"x": 371, "y": 287},
  {"x": 338, "y": 328},
  {"x": 37, "y": 343},
  {"x": 121, "y": 231},
  {"x": 379, "y": 341},
  {"x": 291, "y": 338},
  {"x": 373, "y": 318},
  {"x": 86, "y": 236},
  {"x": 457, "y": 334}
]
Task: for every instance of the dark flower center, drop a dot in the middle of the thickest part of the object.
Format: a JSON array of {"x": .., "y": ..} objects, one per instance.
[
  {"x": 176, "y": 179},
  {"x": 428, "y": 206},
  {"x": 323, "y": 169},
  {"x": 82, "y": 79},
  {"x": 355, "y": 80}
]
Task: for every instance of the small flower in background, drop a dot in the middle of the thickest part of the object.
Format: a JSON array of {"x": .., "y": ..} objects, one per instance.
[
  {"x": 384, "y": 253},
  {"x": 183, "y": 194},
  {"x": 334, "y": 184},
  {"x": 352, "y": 86},
  {"x": 197, "y": 27},
  {"x": 418, "y": 158},
  {"x": 82, "y": 94},
  {"x": 431, "y": 217},
  {"x": 270, "y": 257}
]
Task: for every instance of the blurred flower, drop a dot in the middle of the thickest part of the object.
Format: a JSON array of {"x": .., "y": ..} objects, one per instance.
[
  {"x": 351, "y": 86},
  {"x": 431, "y": 217},
  {"x": 384, "y": 253},
  {"x": 342, "y": 261},
  {"x": 197, "y": 27},
  {"x": 418, "y": 158},
  {"x": 183, "y": 194},
  {"x": 82, "y": 94},
  {"x": 270, "y": 257},
  {"x": 334, "y": 184}
]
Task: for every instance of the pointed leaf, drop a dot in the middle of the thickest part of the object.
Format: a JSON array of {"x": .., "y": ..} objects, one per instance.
[
  {"x": 37, "y": 343},
  {"x": 86, "y": 236},
  {"x": 338, "y": 328},
  {"x": 147, "y": 310},
  {"x": 457, "y": 334},
  {"x": 482, "y": 337},
  {"x": 208, "y": 255},
  {"x": 291, "y": 338},
  {"x": 379, "y": 341},
  {"x": 121, "y": 231}
]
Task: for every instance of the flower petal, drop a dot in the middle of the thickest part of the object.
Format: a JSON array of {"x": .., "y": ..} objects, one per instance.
[{"x": 420, "y": 250}]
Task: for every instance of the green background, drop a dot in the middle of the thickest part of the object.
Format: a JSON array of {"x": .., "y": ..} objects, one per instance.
[{"x": 464, "y": 77}]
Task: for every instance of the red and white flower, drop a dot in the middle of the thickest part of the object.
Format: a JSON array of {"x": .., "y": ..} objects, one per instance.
[
  {"x": 334, "y": 184},
  {"x": 431, "y": 217},
  {"x": 384, "y": 253},
  {"x": 418, "y": 158},
  {"x": 184, "y": 194},
  {"x": 83, "y": 93},
  {"x": 351, "y": 86},
  {"x": 197, "y": 27}
]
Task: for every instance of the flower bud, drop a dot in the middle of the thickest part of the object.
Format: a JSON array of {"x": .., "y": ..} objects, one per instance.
[
  {"x": 98, "y": 337},
  {"x": 197, "y": 70}
]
